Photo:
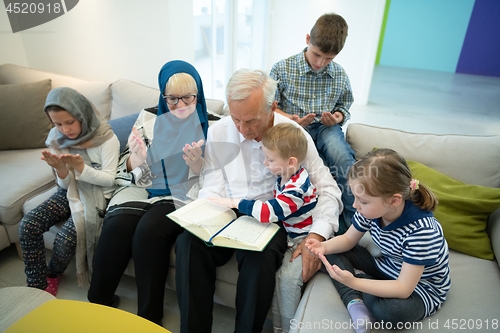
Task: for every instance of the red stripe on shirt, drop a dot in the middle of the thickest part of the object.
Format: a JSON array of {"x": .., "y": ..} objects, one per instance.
[
  {"x": 264, "y": 214},
  {"x": 291, "y": 204},
  {"x": 300, "y": 225},
  {"x": 297, "y": 175}
]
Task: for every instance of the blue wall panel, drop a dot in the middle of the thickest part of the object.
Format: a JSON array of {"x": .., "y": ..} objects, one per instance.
[
  {"x": 426, "y": 34},
  {"x": 481, "y": 49}
]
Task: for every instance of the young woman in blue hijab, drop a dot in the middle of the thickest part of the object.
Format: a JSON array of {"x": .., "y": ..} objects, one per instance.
[{"x": 162, "y": 156}]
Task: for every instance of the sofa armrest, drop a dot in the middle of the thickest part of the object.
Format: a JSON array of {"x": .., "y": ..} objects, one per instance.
[{"x": 494, "y": 233}]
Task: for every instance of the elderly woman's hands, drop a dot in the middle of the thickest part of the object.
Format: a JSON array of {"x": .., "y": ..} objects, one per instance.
[
  {"x": 193, "y": 156},
  {"x": 138, "y": 150}
]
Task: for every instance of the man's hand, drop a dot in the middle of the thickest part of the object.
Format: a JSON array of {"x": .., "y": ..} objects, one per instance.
[
  {"x": 310, "y": 262},
  {"x": 328, "y": 119},
  {"x": 138, "y": 150},
  {"x": 304, "y": 121}
]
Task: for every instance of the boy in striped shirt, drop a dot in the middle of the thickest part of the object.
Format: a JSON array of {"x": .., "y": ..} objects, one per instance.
[{"x": 285, "y": 147}]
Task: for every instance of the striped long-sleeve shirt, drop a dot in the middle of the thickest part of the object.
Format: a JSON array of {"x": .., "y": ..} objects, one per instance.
[
  {"x": 293, "y": 204},
  {"x": 416, "y": 238}
]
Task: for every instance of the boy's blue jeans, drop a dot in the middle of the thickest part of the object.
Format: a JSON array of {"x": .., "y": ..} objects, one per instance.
[{"x": 339, "y": 157}]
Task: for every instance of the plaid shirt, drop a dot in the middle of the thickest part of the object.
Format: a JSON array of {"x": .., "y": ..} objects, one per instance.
[{"x": 302, "y": 91}]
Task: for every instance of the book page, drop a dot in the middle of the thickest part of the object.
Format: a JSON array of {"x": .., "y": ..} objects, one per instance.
[
  {"x": 208, "y": 216},
  {"x": 212, "y": 223},
  {"x": 246, "y": 229}
]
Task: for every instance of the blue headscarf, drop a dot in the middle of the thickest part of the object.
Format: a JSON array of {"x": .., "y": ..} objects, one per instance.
[
  {"x": 179, "y": 66},
  {"x": 172, "y": 134}
]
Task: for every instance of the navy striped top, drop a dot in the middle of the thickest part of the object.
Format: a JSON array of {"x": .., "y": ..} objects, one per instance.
[{"x": 416, "y": 238}]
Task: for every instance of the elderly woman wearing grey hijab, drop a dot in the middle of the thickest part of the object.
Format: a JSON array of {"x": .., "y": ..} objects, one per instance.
[{"x": 84, "y": 155}]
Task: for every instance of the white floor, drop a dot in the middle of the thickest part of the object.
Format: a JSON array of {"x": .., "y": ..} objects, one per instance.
[
  {"x": 406, "y": 99},
  {"x": 431, "y": 102}
]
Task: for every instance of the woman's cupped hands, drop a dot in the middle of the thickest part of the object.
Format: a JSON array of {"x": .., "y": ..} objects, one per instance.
[
  {"x": 192, "y": 155},
  {"x": 138, "y": 149}
]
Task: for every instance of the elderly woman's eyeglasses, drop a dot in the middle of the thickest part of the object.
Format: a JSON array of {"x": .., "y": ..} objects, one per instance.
[{"x": 173, "y": 100}]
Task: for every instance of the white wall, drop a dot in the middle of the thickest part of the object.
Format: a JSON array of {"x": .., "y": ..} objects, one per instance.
[
  {"x": 113, "y": 39},
  {"x": 105, "y": 40},
  {"x": 11, "y": 45},
  {"x": 291, "y": 21}
]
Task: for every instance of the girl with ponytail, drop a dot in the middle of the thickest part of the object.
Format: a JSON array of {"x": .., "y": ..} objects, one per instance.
[{"x": 410, "y": 280}]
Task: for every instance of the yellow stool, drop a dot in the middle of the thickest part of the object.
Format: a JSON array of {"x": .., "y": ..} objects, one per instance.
[{"x": 61, "y": 315}]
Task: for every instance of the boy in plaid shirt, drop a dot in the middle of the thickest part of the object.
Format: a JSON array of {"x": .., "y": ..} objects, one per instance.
[{"x": 316, "y": 93}]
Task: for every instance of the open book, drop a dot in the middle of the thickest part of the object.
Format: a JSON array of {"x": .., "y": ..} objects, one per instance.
[{"x": 219, "y": 226}]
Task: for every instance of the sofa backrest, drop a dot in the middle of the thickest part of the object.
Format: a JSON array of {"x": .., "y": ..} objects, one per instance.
[
  {"x": 129, "y": 97},
  {"x": 99, "y": 93},
  {"x": 113, "y": 100},
  {"x": 470, "y": 159}
]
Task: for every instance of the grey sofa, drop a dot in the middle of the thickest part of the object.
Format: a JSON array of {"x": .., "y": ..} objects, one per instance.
[{"x": 473, "y": 302}]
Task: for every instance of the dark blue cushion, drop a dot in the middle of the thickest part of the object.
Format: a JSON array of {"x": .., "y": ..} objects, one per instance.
[{"x": 122, "y": 128}]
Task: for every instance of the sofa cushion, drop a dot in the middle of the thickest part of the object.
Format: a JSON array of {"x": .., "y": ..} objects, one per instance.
[
  {"x": 24, "y": 125},
  {"x": 129, "y": 97},
  {"x": 321, "y": 309},
  {"x": 36, "y": 176},
  {"x": 215, "y": 106},
  {"x": 122, "y": 128},
  {"x": 463, "y": 210},
  {"x": 98, "y": 92},
  {"x": 36, "y": 200},
  {"x": 467, "y": 158},
  {"x": 4, "y": 238}
]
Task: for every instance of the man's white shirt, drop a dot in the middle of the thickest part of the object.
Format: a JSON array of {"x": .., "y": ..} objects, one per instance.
[{"x": 233, "y": 167}]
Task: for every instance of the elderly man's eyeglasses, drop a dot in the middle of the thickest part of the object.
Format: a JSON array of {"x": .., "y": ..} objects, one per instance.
[{"x": 173, "y": 100}]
